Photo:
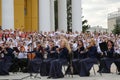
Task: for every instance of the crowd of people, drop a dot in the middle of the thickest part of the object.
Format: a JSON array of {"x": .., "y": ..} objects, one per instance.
[{"x": 47, "y": 52}]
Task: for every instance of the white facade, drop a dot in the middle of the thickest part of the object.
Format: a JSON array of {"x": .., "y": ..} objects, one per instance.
[
  {"x": 52, "y": 17},
  {"x": 62, "y": 15},
  {"x": 76, "y": 16},
  {"x": 7, "y": 14},
  {"x": 46, "y": 15}
]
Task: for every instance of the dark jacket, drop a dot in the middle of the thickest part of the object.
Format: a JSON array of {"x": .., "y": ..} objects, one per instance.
[
  {"x": 63, "y": 53},
  {"x": 92, "y": 52},
  {"x": 53, "y": 54}
]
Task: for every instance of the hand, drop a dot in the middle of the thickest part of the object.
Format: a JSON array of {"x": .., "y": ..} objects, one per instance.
[
  {"x": 81, "y": 52},
  {"x": 101, "y": 53},
  {"x": 52, "y": 51},
  {"x": 57, "y": 49}
]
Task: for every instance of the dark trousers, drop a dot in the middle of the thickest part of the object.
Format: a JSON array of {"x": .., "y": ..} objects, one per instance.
[
  {"x": 3, "y": 68},
  {"x": 34, "y": 65},
  {"x": 56, "y": 68},
  {"x": 75, "y": 65},
  {"x": 19, "y": 64},
  {"x": 105, "y": 64},
  {"x": 15, "y": 65},
  {"x": 45, "y": 67},
  {"x": 117, "y": 63},
  {"x": 85, "y": 66},
  {"x": 23, "y": 63}
]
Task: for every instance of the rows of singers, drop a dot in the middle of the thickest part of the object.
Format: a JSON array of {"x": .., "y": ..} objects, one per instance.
[{"x": 48, "y": 52}]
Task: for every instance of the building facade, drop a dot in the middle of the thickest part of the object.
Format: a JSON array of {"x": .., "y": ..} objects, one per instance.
[
  {"x": 97, "y": 29},
  {"x": 39, "y": 15},
  {"x": 113, "y": 19}
]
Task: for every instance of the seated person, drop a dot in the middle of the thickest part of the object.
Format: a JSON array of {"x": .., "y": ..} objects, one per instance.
[
  {"x": 22, "y": 59},
  {"x": 117, "y": 60},
  {"x": 36, "y": 59},
  {"x": 78, "y": 55},
  {"x": 51, "y": 55},
  {"x": 3, "y": 63},
  {"x": 87, "y": 63},
  {"x": 108, "y": 58},
  {"x": 56, "y": 65}
]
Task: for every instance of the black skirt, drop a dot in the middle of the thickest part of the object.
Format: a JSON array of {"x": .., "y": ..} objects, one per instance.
[
  {"x": 3, "y": 68},
  {"x": 85, "y": 66}
]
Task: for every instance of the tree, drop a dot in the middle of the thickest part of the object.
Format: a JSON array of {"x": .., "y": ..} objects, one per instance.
[
  {"x": 85, "y": 26},
  {"x": 56, "y": 14},
  {"x": 69, "y": 15},
  {"x": 116, "y": 30}
]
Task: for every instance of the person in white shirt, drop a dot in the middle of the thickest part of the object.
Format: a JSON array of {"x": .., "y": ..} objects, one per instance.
[
  {"x": 74, "y": 46},
  {"x": 22, "y": 58},
  {"x": 23, "y": 53}
]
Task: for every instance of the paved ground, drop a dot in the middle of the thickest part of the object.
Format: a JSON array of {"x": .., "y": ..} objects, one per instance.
[{"x": 111, "y": 76}]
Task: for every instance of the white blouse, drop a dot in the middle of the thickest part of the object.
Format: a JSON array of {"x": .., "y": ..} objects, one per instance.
[{"x": 22, "y": 55}]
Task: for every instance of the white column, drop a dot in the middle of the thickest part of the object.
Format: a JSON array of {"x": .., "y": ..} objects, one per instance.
[
  {"x": 62, "y": 15},
  {"x": 52, "y": 15},
  {"x": 7, "y": 14},
  {"x": 76, "y": 16},
  {"x": 44, "y": 15}
]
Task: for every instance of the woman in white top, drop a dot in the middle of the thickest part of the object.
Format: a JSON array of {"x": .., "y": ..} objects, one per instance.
[
  {"x": 22, "y": 58},
  {"x": 23, "y": 53}
]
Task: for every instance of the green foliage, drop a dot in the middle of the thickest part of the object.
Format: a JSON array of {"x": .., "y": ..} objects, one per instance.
[
  {"x": 69, "y": 15},
  {"x": 85, "y": 26},
  {"x": 56, "y": 14},
  {"x": 116, "y": 30}
]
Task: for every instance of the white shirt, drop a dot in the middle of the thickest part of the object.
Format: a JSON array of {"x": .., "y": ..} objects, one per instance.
[
  {"x": 98, "y": 49},
  {"x": 74, "y": 46},
  {"x": 22, "y": 55}
]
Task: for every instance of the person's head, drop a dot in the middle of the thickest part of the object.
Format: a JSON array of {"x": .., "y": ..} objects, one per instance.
[
  {"x": 51, "y": 43},
  {"x": 22, "y": 48},
  {"x": 80, "y": 43},
  {"x": 110, "y": 44},
  {"x": 92, "y": 42},
  {"x": 24, "y": 43},
  {"x": 38, "y": 45},
  {"x": 10, "y": 40},
  {"x": 64, "y": 43}
]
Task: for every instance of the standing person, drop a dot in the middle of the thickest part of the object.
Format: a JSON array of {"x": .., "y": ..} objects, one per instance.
[
  {"x": 87, "y": 63},
  {"x": 56, "y": 65}
]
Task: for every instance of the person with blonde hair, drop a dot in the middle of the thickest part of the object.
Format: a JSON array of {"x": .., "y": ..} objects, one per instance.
[
  {"x": 56, "y": 65},
  {"x": 87, "y": 63}
]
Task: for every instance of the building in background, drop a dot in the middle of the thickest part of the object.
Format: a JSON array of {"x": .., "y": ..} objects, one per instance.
[
  {"x": 113, "y": 19},
  {"x": 97, "y": 29},
  {"x": 39, "y": 15}
]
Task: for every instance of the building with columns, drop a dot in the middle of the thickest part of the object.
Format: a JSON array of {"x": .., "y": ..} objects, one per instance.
[{"x": 39, "y": 15}]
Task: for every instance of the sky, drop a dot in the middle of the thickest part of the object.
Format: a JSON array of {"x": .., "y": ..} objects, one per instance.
[{"x": 96, "y": 11}]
